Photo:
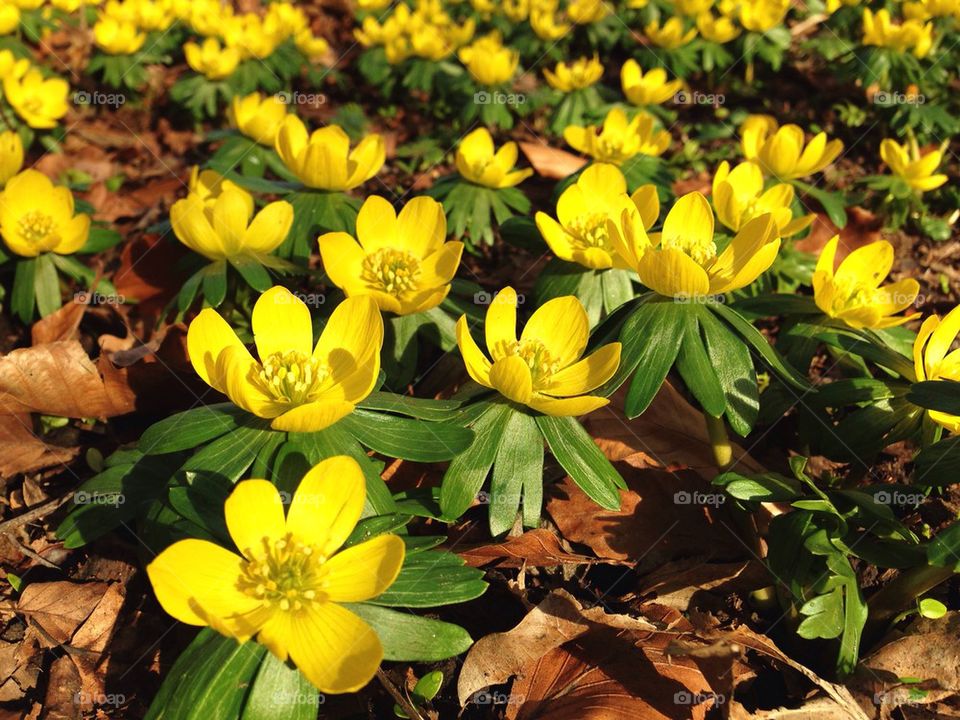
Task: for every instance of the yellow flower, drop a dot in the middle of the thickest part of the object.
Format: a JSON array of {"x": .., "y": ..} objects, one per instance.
[
  {"x": 719, "y": 30},
  {"x": 40, "y": 102},
  {"x": 117, "y": 38},
  {"x": 208, "y": 184},
  {"x": 258, "y": 117},
  {"x": 738, "y": 197},
  {"x": 580, "y": 74},
  {"x": 543, "y": 369},
  {"x": 516, "y": 11},
  {"x": 682, "y": 260},
  {"x": 852, "y": 292},
  {"x": 934, "y": 360},
  {"x": 252, "y": 37},
  {"x": 693, "y": 8},
  {"x": 917, "y": 170},
  {"x": 619, "y": 140},
  {"x": 650, "y": 88},
  {"x": 488, "y": 61},
  {"x": 211, "y": 60},
  {"x": 784, "y": 156},
  {"x": 150, "y": 15},
  {"x": 546, "y": 24},
  {"x": 11, "y": 155},
  {"x": 586, "y": 12},
  {"x": 911, "y": 35},
  {"x": 478, "y": 163},
  {"x": 754, "y": 133},
  {"x": 763, "y": 15},
  {"x": 927, "y": 9},
  {"x": 37, "y": 217},
  {"x": 290, "y": 578},
  {"x": 401, "y": 261},
  {"x": 670, "y": 35},
  {"x": 323, "y": 160},
  {"x": 310, "y": 45},
  {"x": 582, "y": 234},
  {"x": 9, "y": 18},
  {"x": 299, "y": 387},
  {"x": 222, "y": 228}
]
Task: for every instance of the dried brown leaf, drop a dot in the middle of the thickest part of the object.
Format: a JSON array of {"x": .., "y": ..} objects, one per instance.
[
  {"x": 551, "y": 162},
  {"x": 536, "y": 548}
]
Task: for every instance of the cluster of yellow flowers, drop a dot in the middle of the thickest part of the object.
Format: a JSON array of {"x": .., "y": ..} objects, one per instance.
[
  {"x": 38, "y": 100},
  {"x": 912, "y": 35},
  {"x": 693, "y": 17},
  {"x": 425, "y": 32}
]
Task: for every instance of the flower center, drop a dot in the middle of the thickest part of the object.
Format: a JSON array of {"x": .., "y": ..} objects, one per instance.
[
  {"x": 700, "y": 249},
  {"x": 293, "y": 376},
  {"x": 590, "y": 231},
  {"x": 533, "y": 352},
  {"x": 393, "y": 271},
  {"x": 38, "y": 229},
  {"x": 285, "y": 574}
]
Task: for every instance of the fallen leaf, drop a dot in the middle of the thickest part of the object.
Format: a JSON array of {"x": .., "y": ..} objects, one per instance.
[
  {"x": 862, "y": 228},
  {"x": 21, "y": 451},
  {"x": 63, "y": 691},
  {"x": 60, "y": 325},
  {"x": 663, "y": 516},
  {"x": 670, "y": 433},
  {"x": 60, "y": 608},
  {"x": 551, "y": 162},
  {"x": 560, "y": 617},
  {"x": 677, "y": 583},
  {"x": 535, "y": 548},
  {"x": 59, "y": 379},
  {"x": 611, "y": 674},
  {"x": 20, "y": 666}
]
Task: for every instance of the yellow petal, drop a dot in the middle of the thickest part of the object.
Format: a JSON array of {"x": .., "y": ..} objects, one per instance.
[
  {"x": 672, "y": 273},
  {"x": 421, "y": 227},
  {"x": 555, "y": 236},
  {"x": 363, "y": 571},
  {"x": 585, "y": 375},
  {"x": 342, "y": 260},
  {"x": 269, "y": 228},
  {"x": 327, "y": 504},
  {"x": 350, "y": 346},
  {"x": 439, "y": 267},
  {"x": 943, "y": 337},
  {"x": 561, "y": 324},
  {"x": 511, "y": 377},
  {"x": 866, "y": 266},
  {"x": 239, "y": 373},
  {"x": 648, "y": 204},
  {"x": 196, "y": 582},
  {"x": 207, "y": 336},
  {"x": 281, "y": 323},
  {"x": 376, "y": 224},
  {"x": 501, "y": 323},
  {"x": 313, "y": 416},
  {"x": 336, "y": 650},
  {"x": 477, "y": 364},
  {"x": 919, "y": 346},
  {"x": 254, "y": 514},
  {"x": 567, "y": 407},
  {"x": 690, "y": 221}
]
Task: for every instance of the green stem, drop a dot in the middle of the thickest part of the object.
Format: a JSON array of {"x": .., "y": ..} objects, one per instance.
[
  {"x": 903, "y": 591},
  {"x": 722, "y": 449}
]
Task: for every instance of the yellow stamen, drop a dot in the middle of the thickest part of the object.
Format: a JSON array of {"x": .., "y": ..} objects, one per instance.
[
  {"x": 292, "y": 376},
  {"x": 39, "y": 229},
  {"x": 392, "y": 271},
  {"x": 700, "y": 250},
  {"x": 590, "y": 231},
  {"x": 535, "y": 354},
  {"x": 285, "y": 573}
]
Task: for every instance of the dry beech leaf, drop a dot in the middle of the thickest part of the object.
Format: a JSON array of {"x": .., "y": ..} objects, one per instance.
[
  {"x": 60, "y": 608},
  {"x": 21, "y": 451},
  {"x": 551, "y": 162},
  {"x": 535, "y": 548},
  {"x": 663, "y": 516},
  {"x": 862, "y": 228},
  {"x": 495, "y": 658},
  {"x": 611, "y": 674},
  {"x": 59, "y": 379},
  {"x": 60, "y": 325},
  {"x": 670, "y": 433},
  {"x": 63, "y": 691},
  {"x": 677, "y": 583}
]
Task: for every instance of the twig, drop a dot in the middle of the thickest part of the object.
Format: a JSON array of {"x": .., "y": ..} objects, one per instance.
[
  {"x": 28, "y": 517},
  {"x": 402, "y": 701}
]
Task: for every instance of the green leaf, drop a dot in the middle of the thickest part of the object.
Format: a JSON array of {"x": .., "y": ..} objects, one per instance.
[
  {"x": 576, "y": 452},
  {"x": 651, "y": 339},
  {"x": 518, "y": 465},
  {"x": 23, "y": 295},
  {"x": 370, "y": 527},
  {"x": 210, "y": 679},
  {"x": 944, "y": 549},
  {"x": 280, "y": 692},
  {"x": 834, "y": 204},
  {"x": 100, "y": 239},
  {"x": 617, "y": 288},
  {"x": 759, "y": 343},
  {"x": 410, "y": 638},
  {"x": 696, "y": 369},
  {"x": 433, "y": 578},
  {"x": 47, "y": 285},
  {"x": 766, "y": 487},
  {"x": 824, "y": 616},
  {"x": 229, "y": 455},
  {"x": 733, "y": 365},
  {"x": 191, "y": 428},
  {"x": 939, "y": 395},
  {"x": 468, "y": 470},
  {"x": 852, "y": 391},
  {"x": 215, "y": 283},
  {"x": 399, "y": 437},
  {"x": 421, "y": 408},
  {"x": 255, "y": 274}
]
